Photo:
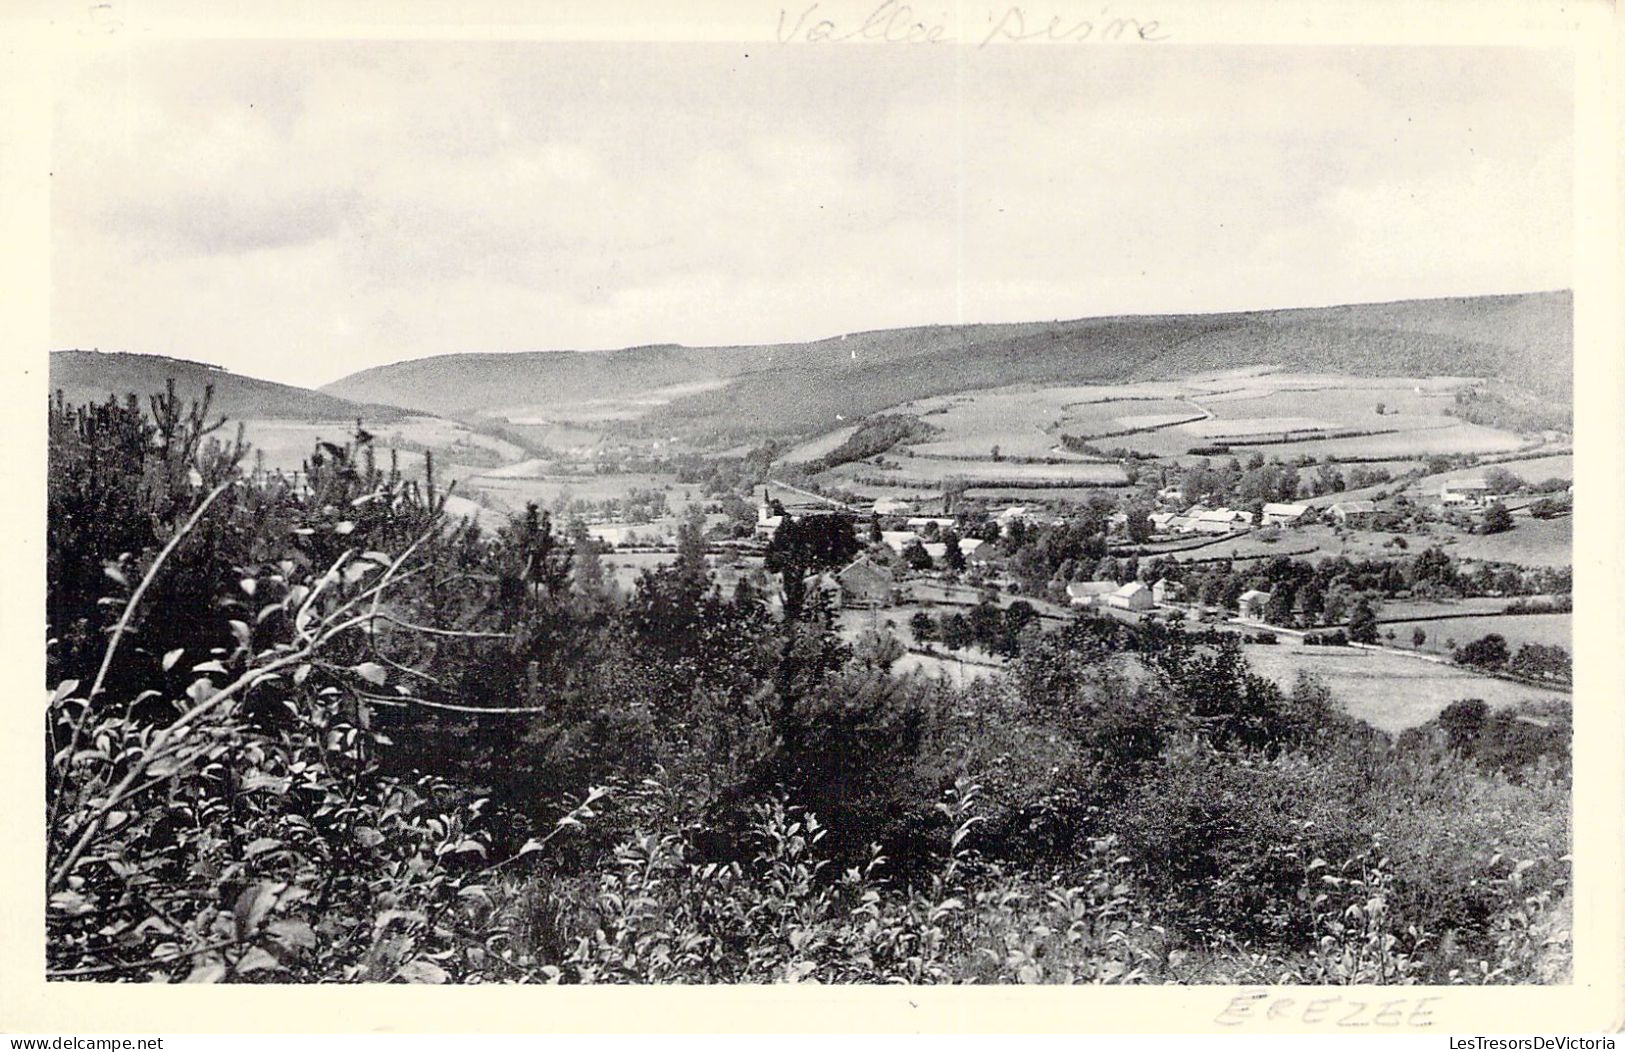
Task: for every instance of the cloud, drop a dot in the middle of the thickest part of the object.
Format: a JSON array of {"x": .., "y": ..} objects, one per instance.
[{"x": 304, "y": 209}]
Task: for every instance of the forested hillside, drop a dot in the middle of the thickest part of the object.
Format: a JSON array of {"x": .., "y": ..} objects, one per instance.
[
  {"x": 323, "y": 733},
  {"x": 90, "y": 376},
  {"x": 798, "y": 388}
]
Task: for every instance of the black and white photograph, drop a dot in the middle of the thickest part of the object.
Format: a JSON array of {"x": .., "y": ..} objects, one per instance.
[{"x": 892, "y": 500}]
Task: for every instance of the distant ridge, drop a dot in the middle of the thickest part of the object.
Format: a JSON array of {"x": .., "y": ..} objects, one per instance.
[
  {"x": 1525, "y": 338},
  {"x": 90, "y": 376}
]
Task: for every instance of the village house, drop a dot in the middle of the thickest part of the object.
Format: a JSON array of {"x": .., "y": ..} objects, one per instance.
[
  {"x": 893, "y": 506},
  {"x": 864, "y": 584},
  {"x": 1166, "y": 591},
  {"x": 1011, "y": 515},
  {"x": 1276, "y": 514},
  {"x": 1354, "y": 512},
  {"x": 767, "y": 523},
  {"x": 919, "y": 523},
  {"x": 1469, "y": 492},
  {"x": 1161, "y": 520},
  {"x": 978, "y": 553},
  {"x": 897, "y": 540},
  {"x": 1251, "y": 604},
  {"x": 937, "y": 550},
  {"x": 1089, "y": 593},
  {"x": 618, "y": 535},
  {"x": 1220, "y": 520},
  {"x": 1132, "y": 596}
]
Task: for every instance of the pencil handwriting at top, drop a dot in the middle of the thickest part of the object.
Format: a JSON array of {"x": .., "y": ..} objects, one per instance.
[
  {"x": 892, "y": 22},
  {"x": 1015, "y": 25},
  {"x": 897, "y": 22}
]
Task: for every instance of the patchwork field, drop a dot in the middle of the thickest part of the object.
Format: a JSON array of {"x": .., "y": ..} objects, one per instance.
[
  {"x": 923, "y": 472},
  {"x": 1253, "y": 427},
  {"x": 1027, "y": 421},
  {"x": 1418, "y": 442},
  {"x": 513, "y": 494},
  {"x": 1391, "y": 692}
]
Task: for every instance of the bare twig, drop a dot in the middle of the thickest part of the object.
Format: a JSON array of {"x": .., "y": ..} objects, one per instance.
[
  {"x": 130, "y": 966},
  {"x": 459, "y": 633},
  {"x": 123, "y": 625},
  {"x": 146, "y": 582},
  {"x": 478, "y": 710}
]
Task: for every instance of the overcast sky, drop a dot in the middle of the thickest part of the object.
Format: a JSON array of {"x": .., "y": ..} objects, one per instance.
[{"x": 299, "y": 211}]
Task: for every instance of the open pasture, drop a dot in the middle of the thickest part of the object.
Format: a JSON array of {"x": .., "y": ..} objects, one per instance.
[
  {"x": 1399, "y": 445},
  {"x": 1343, "y": 404},
  {"x": 1531, "y": 542},
  {"x": 1139, "y": 420},
  {"x": 1395, "y": 609},
  {"x": 1254, "y": 427},
  {"x": 1537, "y": 469},
  {"x": 1027, "y": 421},
  {"x": 1516, "y": 629},
  {"x": 554, "y": 435},
  {"x": 512, "y": 494},
  {"x": 814, "y": 448},
  {"x": 284, "y": 445},
  {"x": 1028, "y": 495},
  {"x": 287, "y": 443},
  {"x": 1389, "y": 691},
  {"x": 924, "y": 473},
  {"x": 1107, "y": 418}
]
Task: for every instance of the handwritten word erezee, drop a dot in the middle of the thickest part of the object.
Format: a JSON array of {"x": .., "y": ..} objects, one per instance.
[{"x": 1334, "y": 1009}]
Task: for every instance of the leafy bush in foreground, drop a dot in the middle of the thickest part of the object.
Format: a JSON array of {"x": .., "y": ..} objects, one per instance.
[{"x": 377, "y": 747}]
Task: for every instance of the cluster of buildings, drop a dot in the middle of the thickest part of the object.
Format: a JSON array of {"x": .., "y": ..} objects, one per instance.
[
  {"x": 1467, "y": 493},
  {"x": 899, "y": 540},
  {"x": 1200, "y": 519},
  {"x": 1135, "y": 595}
]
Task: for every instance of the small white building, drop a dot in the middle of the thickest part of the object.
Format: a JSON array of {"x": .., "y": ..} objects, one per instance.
[
  {"x": 1166, "y": 591},
  {"x": 897, "y": 540},
  {"x": 1014, "y": 513},
  {"x": 1458, "y": 492},
  {"x": 1353, "y": 512},
  {"x": 1276, "y": 514},
  {"x": 1132, "y": 596},
  {"x": 1221, "y": 520},
  {"x": 1251, "y": 604},
  {"x": 1089, "y": 593},
  {"x": 893, "y": 506},
  {"x": 767, "y": 523},
  {"x": 1161, "y": 520}
]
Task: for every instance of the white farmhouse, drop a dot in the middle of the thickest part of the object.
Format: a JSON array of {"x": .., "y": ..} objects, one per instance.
[
  {"x": 1132, "y": 596},
  {"x": 1283, "y": 514}
]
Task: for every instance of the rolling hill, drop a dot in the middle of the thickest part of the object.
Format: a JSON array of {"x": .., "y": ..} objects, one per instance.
[
  {"x": 798, "y": 388},
  {"x": 90, "y": 376}
]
